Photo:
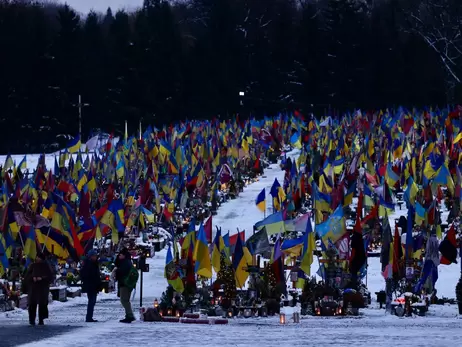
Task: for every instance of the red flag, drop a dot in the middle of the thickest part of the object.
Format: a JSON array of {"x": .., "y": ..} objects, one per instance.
[
  {"x": 167, "y": 213},
  {"x": 233, "y": 238},
  {"x": 448, "y": 248},
  {"x": 439, "y": 195},
  {"x": 257, "y": 164},
  {"x": 208, "y": 229},
  {"x": 109, "y": 194},
  {"x": 372, "y": 215},
  {"x": 84, "y": 207}
]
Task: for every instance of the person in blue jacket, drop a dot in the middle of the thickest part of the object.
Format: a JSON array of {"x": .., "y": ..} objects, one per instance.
[{"x": 91, "y": 282}]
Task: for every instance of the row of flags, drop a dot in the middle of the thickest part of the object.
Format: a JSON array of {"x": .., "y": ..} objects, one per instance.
[
  {"x": 370, "y": 155},
  {"x": 126, "y": 183}
]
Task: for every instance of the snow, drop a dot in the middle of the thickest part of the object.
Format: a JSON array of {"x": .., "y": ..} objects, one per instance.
[
  {"x": 242, "y": 213},
  {"x": 441, "y": 327},
  {"x": 374, "y": 328}
]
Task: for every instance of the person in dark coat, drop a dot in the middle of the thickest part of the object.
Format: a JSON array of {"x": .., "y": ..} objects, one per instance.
[
  {"x": 123, "y": 265},
  {"x": 91, "y": 282},
  {"x": 38, "y": 278}
]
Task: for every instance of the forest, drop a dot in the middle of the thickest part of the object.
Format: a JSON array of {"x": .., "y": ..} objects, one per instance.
[{"x": 198, "y": 59}]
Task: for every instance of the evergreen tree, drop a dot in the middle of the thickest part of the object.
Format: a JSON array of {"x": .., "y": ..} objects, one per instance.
[
  {"x": 226, "y": 278},
  {"x": 169, "y": 61}
]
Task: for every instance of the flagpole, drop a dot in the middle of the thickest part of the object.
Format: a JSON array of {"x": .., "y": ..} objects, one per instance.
[
  {"x": 140, "y": 129},
  {"x": 46, "y": 239}
]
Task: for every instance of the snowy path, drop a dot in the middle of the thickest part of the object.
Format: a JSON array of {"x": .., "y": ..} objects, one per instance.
[
  {"x": 242, "y": 212},
  {"x": 239, "y": 213},
  {"x": 66, "y": 328}
]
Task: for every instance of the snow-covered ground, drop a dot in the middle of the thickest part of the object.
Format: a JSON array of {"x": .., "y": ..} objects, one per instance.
[
  {"x": 373, "y": 329},
  {"x": 242, "y": 213},
  {"x": 441, "y": 327}
]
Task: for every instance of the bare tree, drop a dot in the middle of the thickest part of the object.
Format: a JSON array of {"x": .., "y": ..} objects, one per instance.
[{"x": 439, "y": 24}]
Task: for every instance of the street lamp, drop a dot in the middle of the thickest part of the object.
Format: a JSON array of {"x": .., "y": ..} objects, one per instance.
[{"x": 241, "y": 95}]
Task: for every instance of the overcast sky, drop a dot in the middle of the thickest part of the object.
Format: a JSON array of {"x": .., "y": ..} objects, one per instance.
[{"x": 84, "y": 6}]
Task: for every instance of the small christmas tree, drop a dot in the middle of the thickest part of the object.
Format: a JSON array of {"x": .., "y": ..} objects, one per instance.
[
  {"x": 167, "y": 298},
  {"x": 272, "y": 289},
  {"x": 226, "y": 277}
]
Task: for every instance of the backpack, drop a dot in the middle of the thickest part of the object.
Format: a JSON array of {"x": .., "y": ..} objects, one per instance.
[{"x": 132, "y": 278}]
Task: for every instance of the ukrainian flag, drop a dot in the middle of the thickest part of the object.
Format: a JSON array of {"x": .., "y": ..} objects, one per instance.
[
  {"x": 321, "y": 201},
  {"x": 390, "y": 176},
  {"x": 171, "y": 273},
  {"x": 3, "y": 256},
  {"x": 274, "y": 223},
  {"x": 334, "y": 227},
  {"x": 308, "y": 248},
  {"x": 275, "y": 194},
  {"x": 114, "y": 219},
  {"x": 261, "y": 201},
  {"x": 30, "y": 247},
  {"x": 53, "y": 242},
  {"x": 120, "y": 170},
  {"x": 23, "y": 164},
  {"x": 295, "y": 140},
  {"x": 240, "y": 262},
  {"x": 165, "y": 148},
  {"x": 420, "y": 214},
  {"x": 411, "y": 192},
  {"x": 91, "y": 184},
  {"x": 82, "y": 181},
  {"x": 74, "y": 144},
  {"x": 201, "y": 255},
  {"x": 348, "y": 200}
]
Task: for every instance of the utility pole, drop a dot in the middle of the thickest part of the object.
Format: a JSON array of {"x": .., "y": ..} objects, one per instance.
[{"x": 80, "y": 105}]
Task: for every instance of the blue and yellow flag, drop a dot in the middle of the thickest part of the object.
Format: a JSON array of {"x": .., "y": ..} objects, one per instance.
[
  {"x": 201, "y": 255},
  {"x": 261, "y": 201},
  {"x": 171, "y": 273},
  {"x": 274, "y": 223},
  {"x": 333, "y": 228},
  {"x": 74, "y": 145},
  {"x": 218, "y": 248},
  {"x": 308, "y": 248}
]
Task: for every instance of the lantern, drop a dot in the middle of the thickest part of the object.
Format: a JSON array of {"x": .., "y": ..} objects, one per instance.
[
  {"x": 178, "y": 314},
  {"x": 156, "y": 303},
  {"x": 169, "y": 312},
  {"x": 230, "y": 313},
  {"x": 247, "y": 313},
  {"x": 282, "y": 318},
  {"x": 104, "y": 291}
]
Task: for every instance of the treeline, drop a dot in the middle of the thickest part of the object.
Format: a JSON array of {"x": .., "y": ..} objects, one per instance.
[{"x": 173, "y": 61}]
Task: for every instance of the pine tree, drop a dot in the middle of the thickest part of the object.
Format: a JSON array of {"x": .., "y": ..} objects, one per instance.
[
  {"x": 269, "y": 278},
  {"x": 226, "y": 277}
]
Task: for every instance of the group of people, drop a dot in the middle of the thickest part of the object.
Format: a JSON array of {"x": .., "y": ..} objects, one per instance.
[{"x": 40, "y": 276}]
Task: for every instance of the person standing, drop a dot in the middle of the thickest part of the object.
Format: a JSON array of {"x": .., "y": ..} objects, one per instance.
[
  {"x": 91, "y": 282},
  {"x": 124, "y": 265},
  {"x": 38, "y": 278}
]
